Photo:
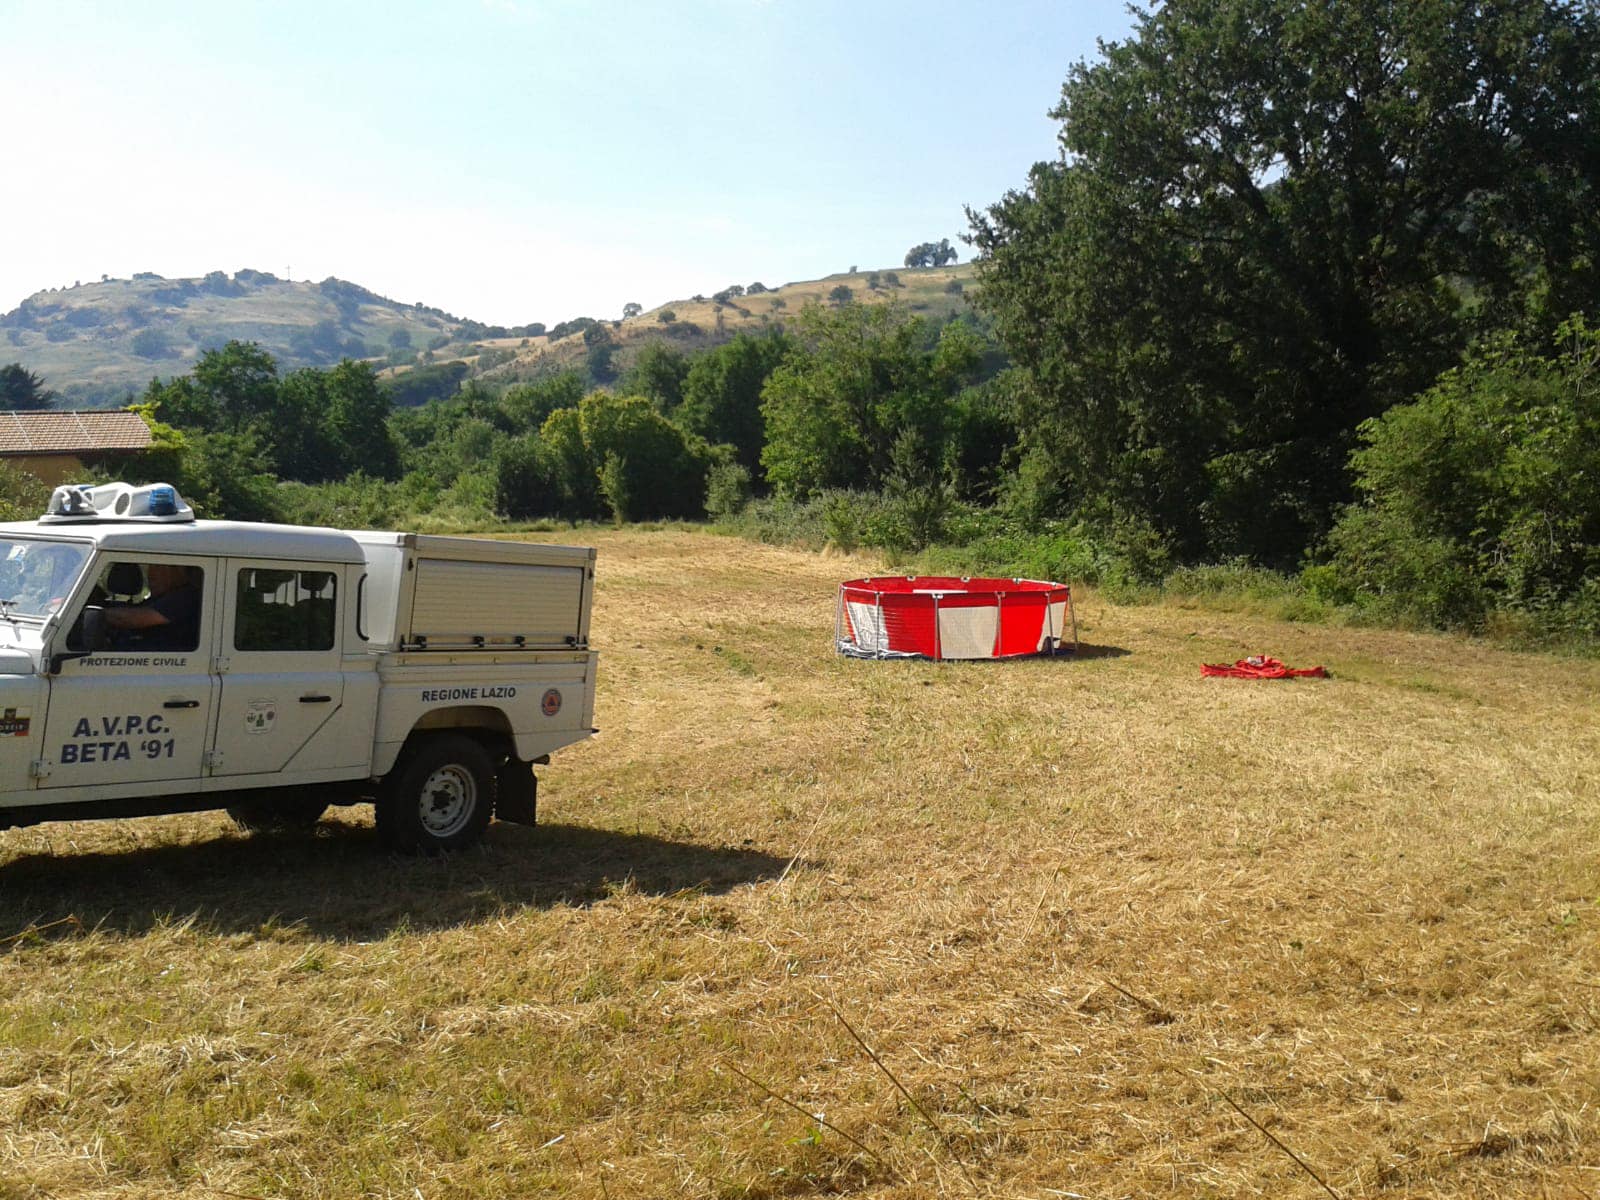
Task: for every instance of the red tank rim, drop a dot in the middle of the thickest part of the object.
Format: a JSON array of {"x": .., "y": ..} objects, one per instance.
[{"x": 948, "y": 585}]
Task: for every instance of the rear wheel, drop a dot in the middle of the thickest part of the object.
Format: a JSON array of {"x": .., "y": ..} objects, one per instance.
[
  {"x": 439, "y": 797},
  {"x": 292, "y": 814}
]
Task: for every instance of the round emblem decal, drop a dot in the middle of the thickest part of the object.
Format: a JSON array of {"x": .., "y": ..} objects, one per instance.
[{"x": 551, "y": 704}]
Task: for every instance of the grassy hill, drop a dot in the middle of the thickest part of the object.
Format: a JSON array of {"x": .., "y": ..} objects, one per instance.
[
  {"x": 699, "y": 322},
  {"x": 96, "y": 342}
]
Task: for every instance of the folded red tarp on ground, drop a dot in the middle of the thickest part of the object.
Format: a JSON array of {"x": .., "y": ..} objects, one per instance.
[{"x": 1259, "y": 666}]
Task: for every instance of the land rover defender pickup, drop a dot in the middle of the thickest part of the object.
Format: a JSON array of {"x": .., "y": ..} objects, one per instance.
[{"x": 153, "y": 663}]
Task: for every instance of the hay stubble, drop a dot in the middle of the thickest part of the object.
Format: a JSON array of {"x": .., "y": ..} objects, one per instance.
[{"x": 1076, "y": 909}]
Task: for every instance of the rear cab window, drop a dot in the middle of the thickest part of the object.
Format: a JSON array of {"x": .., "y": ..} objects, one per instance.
[{"x": 288, "y": 609}]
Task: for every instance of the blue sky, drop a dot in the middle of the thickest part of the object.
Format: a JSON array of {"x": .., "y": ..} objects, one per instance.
[{"x": 517, "y": 160}]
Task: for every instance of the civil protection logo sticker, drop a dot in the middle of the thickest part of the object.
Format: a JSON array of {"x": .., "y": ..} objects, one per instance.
[
  {"x": 551, "y": 704},
  {"x": 14, "y": 722}
]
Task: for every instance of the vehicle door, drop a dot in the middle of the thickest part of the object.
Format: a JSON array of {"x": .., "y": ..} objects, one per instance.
[
  {"x": 282, "y": 684},
  {"x": 139, "y": 709}
]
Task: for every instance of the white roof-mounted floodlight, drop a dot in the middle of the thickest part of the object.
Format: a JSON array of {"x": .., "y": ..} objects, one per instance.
[
  {"x": 70, "y": 502},
  {"x": 155, "y": 502}
]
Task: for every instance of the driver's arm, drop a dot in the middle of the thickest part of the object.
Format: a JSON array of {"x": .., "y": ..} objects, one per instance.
[{"x": 140, "y": 616}]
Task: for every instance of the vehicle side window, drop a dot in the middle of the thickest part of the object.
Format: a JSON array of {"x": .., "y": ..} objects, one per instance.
[
  {"x": 284, "y": 610},
  {"x": 148, "y": 606}
]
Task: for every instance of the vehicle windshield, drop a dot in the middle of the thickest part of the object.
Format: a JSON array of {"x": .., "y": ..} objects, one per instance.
[{"x": 36, "y": 576}]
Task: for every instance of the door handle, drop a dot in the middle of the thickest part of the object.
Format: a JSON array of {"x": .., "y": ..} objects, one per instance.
[
  {"x": 316, "y": 699},
  {"x": 181, "y": 704}
]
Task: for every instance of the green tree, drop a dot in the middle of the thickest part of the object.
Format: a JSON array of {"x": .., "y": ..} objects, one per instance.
[
  {"x": 400, "y": 349},
  {"x": 223, "y": 477},
  {"x": 237, "y": 387},
  {"x": 858, "y": 379},
  {"x": 722, "y": 394},
  {"x": 573, "y": 470},
  {"x": 526, "y": 483},
  {"x": 931, "y": 254},
  {"x": 658, "y": 372},
  {"x": 525, "y": 406},
  {"x": 356, "y": 421},
  {"x": 21, "y": 389},
  {"x": 647, "y": 466},
  {"x": 162, "y": 461},
  {"x": 1271, "y": 221},
  {"x": 982, "y": 434},
  {"x": 230, "y": 390},
  {"x": 632, "y": 309},
  {"x": 301, "y": 447},
  {"x": 310, "y": 425},
  {"x": 597, "y": 364}
]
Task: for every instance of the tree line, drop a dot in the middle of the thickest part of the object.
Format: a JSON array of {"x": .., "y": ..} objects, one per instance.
[{"x": 856, "y": 396}]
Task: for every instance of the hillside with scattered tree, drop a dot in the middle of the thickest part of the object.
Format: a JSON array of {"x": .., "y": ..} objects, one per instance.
[
  {"x": 97, "y": 343},
  {"x": 605, "y": 350}
]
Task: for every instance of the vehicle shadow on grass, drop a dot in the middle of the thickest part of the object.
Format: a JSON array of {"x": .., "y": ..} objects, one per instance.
[{"x": 341, "y": 883}]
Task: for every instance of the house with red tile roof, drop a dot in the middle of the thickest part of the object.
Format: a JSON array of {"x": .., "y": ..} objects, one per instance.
[{"x": 58, "y": 447}]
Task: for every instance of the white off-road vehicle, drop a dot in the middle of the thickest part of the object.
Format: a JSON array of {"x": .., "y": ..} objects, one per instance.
[{"x": 153, "y": 663}]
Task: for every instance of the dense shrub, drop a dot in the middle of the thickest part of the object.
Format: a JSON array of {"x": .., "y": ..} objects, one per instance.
[
  {"x": 1484, "y": 493},
  {"x": 356, "y": 502},
  {"x": 526, "y": 484},
  {"x": 22, "y": 496},
  {"x": 647, "y": 466},
  {"x": 727, "y": 489}
]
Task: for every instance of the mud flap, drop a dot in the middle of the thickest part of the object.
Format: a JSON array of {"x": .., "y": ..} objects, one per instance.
[{"x": 516, "y": 793}]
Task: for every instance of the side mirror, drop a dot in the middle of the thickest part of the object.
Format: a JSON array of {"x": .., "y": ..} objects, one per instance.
[
  {"x": 95, "y": 631},
  {"x": 94, "y": 635}
]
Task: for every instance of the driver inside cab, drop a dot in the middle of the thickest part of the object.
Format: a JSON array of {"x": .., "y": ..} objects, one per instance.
[{"x": 168, "y": 619}]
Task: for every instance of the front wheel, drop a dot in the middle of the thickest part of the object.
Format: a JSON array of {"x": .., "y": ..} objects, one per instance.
[{"x": 439, "y": 797}]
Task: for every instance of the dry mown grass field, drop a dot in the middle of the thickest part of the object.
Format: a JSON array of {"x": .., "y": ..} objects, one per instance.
[{"x": 797, "y": 924}]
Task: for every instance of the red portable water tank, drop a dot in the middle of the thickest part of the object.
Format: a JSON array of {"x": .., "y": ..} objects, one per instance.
[{"x": 940, "y": 617}]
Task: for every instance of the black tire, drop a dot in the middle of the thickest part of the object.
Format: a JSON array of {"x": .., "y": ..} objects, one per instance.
[
  {"x": 292, "y": 814},
  {"x": 439, "y": 797}
]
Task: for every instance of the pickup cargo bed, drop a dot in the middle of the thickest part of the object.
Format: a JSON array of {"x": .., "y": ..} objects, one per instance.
[{"x": 426, "y": 592}]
